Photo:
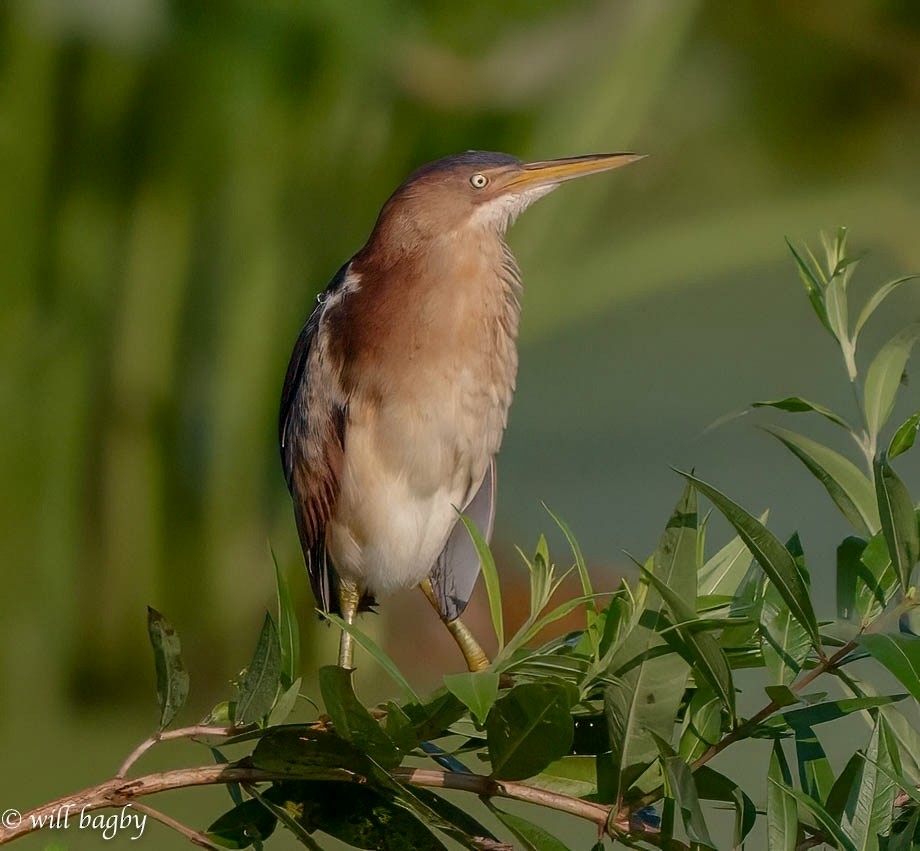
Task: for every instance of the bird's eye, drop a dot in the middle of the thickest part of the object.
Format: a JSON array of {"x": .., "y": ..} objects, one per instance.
[{"x": 478, "y": 181}]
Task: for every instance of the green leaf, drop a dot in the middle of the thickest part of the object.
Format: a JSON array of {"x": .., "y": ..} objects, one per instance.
[
  {"x": 288, "y": 628},
  {"x": 884, "y": 377},
  {"x": 674, "y": 561},
  {"x": 843, "y": 787},
  {"x": 784, "y": 642},
  {"x": 575, "y": 776},
  {"x": 796, "y": 404},
  {"x": 262, "y": 678},
  {"x": 900, "y": 654},
  {"x": 824, "y": 819},
  {"x": 476, "y": 690},
  {"x": 901, "y": 731},
  {"x": 713, "y": 786},
  {"x": 782, "y": 811},
  {"x": 172, "y": 678},
  {"x": 285, "y": 817},
  {"x": 899, "y": 522},
  {"x": 356, "y": 814},
  {"x": 813, "y": 287},
  {"x": 849, "y": 565},
  {"x": 904, "y": 438},
  {"x": 847, "y": 486},
  {"x": 877, "y": 580},
  {"x": 376, "y": 651},
  {"x": 587, "y": 589},
  {"x": 400, "y": 729},
  {"x": 708, "y": 658},
  {"x": 724, "y": 572},
  {"x": 352, "y": 721},
  {"x": 461, "y": 819},
  {"x": 876, "y": 299},
  {"x": 300, "y": 749},
  {"x": 833, "y": 710},
  {"x": 815, "y": 774},
  {"x": 775, "y": 560},
  {"x": 490, "y": 579},
  {"x": 782, "y": 695},
  {"x": 639, "y": 704},
  {"x": 683, "y": 789},
  {"x": 531, "y": 836},
  {"x": 702, "y": 725},
  {"x": 868, "y": 811},
  {"x": 529, "y": 728},
  {"x": 644, "y": 698},
  {"x": 239, "y": 827},
  {"x": 285, "y": 704}
]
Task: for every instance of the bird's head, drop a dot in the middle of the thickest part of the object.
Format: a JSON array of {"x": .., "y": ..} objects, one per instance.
[{"x": 479, "y": 189}]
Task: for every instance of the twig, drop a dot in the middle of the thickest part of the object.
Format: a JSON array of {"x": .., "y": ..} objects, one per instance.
[
  {"x": 179, "y": 733},
  {"x": 194, "y": 836}
]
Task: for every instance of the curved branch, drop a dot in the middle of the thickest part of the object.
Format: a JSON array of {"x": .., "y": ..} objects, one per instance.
[{"x": 120, "y": 791}]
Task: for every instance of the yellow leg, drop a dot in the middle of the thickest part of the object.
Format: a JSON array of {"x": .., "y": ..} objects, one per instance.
[
  {"x": 476, "y": 659},
  {"x": 349, "y": 597}
]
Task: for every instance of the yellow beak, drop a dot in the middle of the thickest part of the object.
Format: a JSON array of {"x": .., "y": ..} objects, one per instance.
[{"x": 553, "y": 172}]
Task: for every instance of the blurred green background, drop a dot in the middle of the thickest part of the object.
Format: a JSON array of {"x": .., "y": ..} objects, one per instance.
[{"x": 180, "y": 178}]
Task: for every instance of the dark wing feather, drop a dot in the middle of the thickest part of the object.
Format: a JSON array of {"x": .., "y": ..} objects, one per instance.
[
  {"x": 311, "y": 434},
  {"x": 454, "y": 574}
]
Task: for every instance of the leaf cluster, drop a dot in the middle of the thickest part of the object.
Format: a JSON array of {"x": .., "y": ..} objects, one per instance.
[{"x": 624, "y": 716}]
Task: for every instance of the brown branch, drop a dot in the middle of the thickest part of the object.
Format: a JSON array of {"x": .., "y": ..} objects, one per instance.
[
  {"x": 180, "y": 733},
  {"x": 120, "y": 791}
]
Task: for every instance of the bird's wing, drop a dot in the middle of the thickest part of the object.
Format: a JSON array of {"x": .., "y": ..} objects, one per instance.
[
  {"x": 311, "y": 434},
  {"x": 455, "y": 572}
]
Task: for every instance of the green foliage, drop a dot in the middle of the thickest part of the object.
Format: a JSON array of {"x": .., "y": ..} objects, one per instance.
[{"x": 620, "y": 721}]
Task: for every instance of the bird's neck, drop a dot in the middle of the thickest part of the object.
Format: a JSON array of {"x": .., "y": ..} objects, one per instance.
[{"x": 453, "y": 296}]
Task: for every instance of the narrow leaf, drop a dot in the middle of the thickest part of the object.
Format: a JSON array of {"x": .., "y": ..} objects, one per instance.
[
  {"x": 172, "y": 678},
  {"x": 815, "y": 774},
  {"x": 884, "y": 377},
  {"x": 713, "y": 786},
  {"x": 846, "y": 485},
  {"x": 900, "y": 654},
  {"x": 868, "y": 811},
  {"x": 796, "y": 405},
  {"x": 490, "y": 579},
  {"x": 782, "y": 811},
  {"x": 262, "y": 678},
  {"x": 531, "y": 836},
  {"x": 876, "y": 299},
  {"x": 288, "y": 628},
  {"x": 777, "y": 562},
  {"x": 899, "y": 522},
  {"x": 709, "y": 659},
  {"x": 683, "y": 789},
  {"x": 723, "y": 573},
  {"x": 813, "y": 287},
  {"x": 824, "y": 819},
  {"x": 904, "y": 438},
  {"x": 376, "y": 651},
  {"x": 586, "y": 588}
]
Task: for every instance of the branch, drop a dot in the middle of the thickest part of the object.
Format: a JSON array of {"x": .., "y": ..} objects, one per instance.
[
  {"x": 180, "y": 733},
  {"x": 120, "y": 791}
]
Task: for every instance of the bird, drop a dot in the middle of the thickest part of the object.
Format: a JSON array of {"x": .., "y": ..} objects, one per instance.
[{"x": 397, "y": 392}]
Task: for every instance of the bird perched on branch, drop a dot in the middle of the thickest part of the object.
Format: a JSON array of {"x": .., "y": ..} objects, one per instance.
[{"x": 397, "y": 392}]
